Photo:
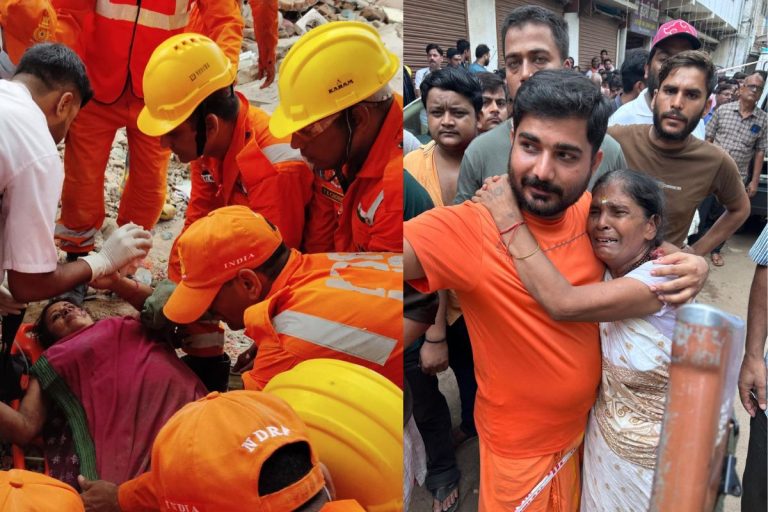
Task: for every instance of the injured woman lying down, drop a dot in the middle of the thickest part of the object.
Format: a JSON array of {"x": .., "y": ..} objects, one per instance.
[{"x": 98, "y": 395}]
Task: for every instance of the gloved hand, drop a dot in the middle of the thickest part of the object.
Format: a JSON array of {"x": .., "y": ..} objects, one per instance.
[{"x": 124, "y": 245}]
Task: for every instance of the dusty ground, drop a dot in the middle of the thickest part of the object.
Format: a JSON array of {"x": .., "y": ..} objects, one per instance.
[{"x": 727, "y": 288}]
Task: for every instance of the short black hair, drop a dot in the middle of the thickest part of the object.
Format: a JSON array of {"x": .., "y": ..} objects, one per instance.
[
  {"x": 490, "y": 82},
  {"x": 542, "y": 16},
  {"x": 57, "y": 67},
  {"x": 462, "y": 45},
  {"x": 457, "y": 80},
  {"x": 481, "y": 50},
  {"x": 562, "y": 94},
  {"x": 603, "y": 51},
  {"x": 633, "y": 68},
  {"x": 452, "y": 52},
  {"x": 691, "y": 58},
  {"x": 287, "y": 465},
  {"x": 728, "y": 83},
  {"x": 739, "y": 75},
  {"x": 644, "y": 190},
  {"x": 614, "y": 81},
  {"x": 276, "y": 262},
  {"x": 433, "y": 46}
]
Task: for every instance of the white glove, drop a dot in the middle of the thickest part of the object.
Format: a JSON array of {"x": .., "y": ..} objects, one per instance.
[
  {"x": 127, "y": 243},
  {"x": 9, "y": 305}
]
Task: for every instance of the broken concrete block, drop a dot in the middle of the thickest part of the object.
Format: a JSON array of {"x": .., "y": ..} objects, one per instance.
[
  {"x": 373, "y": 13},
  {"x": 295, "y": 5},
  {"x": 309, "y": 21}
]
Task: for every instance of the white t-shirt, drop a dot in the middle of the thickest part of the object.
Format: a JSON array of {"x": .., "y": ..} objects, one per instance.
[
  {"x": 638, "y": 111},
  {"x": 7, "y": 67},
  {"x": 419, "y": 77},
  {"x": 31, "y": 177}
]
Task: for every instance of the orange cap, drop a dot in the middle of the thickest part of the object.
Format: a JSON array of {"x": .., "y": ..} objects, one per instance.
[
  {"x": 26, "y": 23},
  {"x": 209, "y": 455},
  {"x": 22, "y": 490},
  {"x": 212, "y": 251}
]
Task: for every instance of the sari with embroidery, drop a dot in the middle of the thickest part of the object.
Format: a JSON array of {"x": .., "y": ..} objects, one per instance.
[{"x": 624, "y": 427}]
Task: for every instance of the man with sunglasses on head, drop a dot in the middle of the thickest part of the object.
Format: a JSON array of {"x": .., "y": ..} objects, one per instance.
[{"x": 348, "y": 125}]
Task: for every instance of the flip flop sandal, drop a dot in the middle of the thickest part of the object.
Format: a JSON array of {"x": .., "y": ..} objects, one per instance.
[
  {"x": 717, "y": 259},
  {"x": 441, "y": 493}
]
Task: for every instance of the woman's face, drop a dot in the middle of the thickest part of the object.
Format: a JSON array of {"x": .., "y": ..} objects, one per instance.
[
  {"x": 64, "y": 318},
  {"x": 617, "y": 227}
]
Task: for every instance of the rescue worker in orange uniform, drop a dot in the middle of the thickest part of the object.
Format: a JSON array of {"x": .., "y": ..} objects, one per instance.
[
  {"x": 117, "y": 38},
  {"x": 235, "y": 159},
  {"x": 335, "y": 101},
  {"x": 294, "y": 306},
  {"x": 242, "y": 450}
]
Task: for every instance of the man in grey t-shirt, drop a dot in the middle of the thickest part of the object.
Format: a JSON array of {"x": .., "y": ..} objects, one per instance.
[{"x": 534, "y": 38}]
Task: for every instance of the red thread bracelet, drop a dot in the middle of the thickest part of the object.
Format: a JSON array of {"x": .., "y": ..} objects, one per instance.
[{"x": 512, "y": 227}]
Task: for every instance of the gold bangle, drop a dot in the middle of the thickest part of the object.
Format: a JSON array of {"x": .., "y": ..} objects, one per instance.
[{"x": 529, "y": 255}]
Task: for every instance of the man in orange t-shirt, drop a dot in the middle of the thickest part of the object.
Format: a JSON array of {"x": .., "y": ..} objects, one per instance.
[
  {"x": 345, "y": 306},
  {"x": 537, "y": 378}
]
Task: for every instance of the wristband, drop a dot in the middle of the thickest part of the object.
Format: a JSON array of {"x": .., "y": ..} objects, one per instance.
[{"x": 435, "y": 341}]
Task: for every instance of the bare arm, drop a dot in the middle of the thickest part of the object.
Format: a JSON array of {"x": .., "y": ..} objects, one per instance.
[
  {"x": 412, "y": 268},
  {"x": 20, "y": 427},
  {"x": 606, "y": 301},
  {"x": 752, "y": 375},
  {"x": 130, "y": 290},
  {"x": 30, "y": 287},
  {"x": 756, "y": 170},
  {"x": 600, "y": 302},
  {"x": 736, "y": 212}
]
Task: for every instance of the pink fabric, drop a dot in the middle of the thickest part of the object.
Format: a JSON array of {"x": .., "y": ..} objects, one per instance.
[{"x": 128, "y": 385}]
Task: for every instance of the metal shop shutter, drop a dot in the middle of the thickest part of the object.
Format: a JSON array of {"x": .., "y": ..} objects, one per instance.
[
  {"x": 431, "y": 21},
  {"x": 504, "y": 7},
  {"x": 596, "y": 32}
]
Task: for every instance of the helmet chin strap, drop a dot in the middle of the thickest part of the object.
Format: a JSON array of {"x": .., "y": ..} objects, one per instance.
[
  {"x": 200, "y": 137},
  {"x": 337, "y": 172}
]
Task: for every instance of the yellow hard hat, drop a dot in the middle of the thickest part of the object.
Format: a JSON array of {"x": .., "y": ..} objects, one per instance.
[
  {"x": 355, "y": 422},
  {"x": 330, "y": 68},
  {"x": 182, "y": 71}
]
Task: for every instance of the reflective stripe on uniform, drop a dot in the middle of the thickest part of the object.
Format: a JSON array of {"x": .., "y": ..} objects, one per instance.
[
  {"x": 146, "y": 18},
  {"x": 368, "y": 215},
  {"x": 336, "y": 336},
  {"x": 71, "y": 239},
  {"x": 282, "y": 153}
]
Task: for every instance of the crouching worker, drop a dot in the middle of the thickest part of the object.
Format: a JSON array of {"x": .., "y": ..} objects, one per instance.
[
  {"x": 294, "y": 306},
  {"x": 98, "y": 394},
  {"x": 234, "y": 159},
  {"x": 242, "y": 450}
]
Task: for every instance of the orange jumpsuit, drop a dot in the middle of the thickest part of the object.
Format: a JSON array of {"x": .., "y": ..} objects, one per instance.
[
  {"x": 116, "y": 46},
  {"x": 370, "y": 216},
  {"x": 259, "y": 171},
  {"x": 339, "y": 306}
]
